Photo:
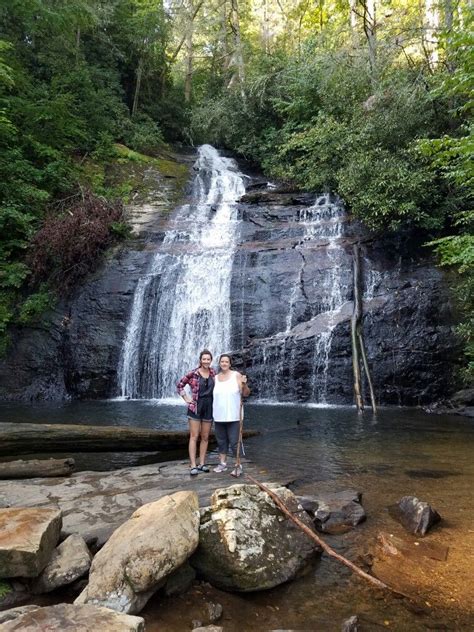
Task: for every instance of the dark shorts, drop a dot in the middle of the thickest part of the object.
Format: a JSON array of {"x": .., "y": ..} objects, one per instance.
[{"x": 204, "y": 410}]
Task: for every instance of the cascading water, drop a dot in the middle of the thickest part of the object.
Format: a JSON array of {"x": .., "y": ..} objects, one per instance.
[
  {"x": 183, "y": 303},
  {"x": 322, "y": 222}
]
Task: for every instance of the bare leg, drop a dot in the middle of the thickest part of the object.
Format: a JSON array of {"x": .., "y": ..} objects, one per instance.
[
  {"x": 205, "y": 430},
  {"x": 194, "y": 429}
]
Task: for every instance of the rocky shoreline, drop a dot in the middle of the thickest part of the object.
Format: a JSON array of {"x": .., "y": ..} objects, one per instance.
[{"x": 152, "y": 529}]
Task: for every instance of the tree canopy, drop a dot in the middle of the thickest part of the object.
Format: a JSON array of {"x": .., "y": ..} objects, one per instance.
[{"x": 371, "y": 99}]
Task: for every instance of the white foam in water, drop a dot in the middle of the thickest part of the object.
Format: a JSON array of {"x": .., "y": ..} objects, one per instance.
[{"x": 182, "y": 304}]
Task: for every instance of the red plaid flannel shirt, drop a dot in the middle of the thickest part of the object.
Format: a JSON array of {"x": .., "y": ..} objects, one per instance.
[{"x": 192, "y": 378}]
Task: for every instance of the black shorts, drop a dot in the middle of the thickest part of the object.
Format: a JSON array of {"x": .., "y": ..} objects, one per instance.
[{"x": 204, "y": 410}]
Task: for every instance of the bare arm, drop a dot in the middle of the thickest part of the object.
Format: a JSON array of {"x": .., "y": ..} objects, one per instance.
[
  {"x": 244, "y": 389},
  {"x": 180, "y": 387}
]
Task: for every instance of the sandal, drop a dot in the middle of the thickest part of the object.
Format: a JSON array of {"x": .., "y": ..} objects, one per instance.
[
  {"x": 203, "y": 468},
  {"x": 237, "y": 471},
  {"x": 222, "y": 467},
  {"x": 194, "y": 471}
]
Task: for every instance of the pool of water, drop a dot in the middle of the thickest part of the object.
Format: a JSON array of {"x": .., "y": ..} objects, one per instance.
[{"x": 395, "y": 453}]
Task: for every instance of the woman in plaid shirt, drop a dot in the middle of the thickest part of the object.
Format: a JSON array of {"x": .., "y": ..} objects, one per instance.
[{"x": 201, "y": 382}]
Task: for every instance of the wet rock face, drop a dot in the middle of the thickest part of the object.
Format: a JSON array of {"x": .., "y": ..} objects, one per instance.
[{"x": 291, "y": 303}]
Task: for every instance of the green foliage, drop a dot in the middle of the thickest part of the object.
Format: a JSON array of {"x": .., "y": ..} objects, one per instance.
[
  {"x": 36, "y": 305},
  {"x": 5, "y": 588}
]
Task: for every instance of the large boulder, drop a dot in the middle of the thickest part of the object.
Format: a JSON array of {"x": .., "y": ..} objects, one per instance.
[
  {"x": 247, "y": 544},
  {"x": 335, "y": 512},
  {"x": 415, "y": 515},
  {"x": 70, "y": 561},
  {"x": 76, "y": 618},
  {"x": 28, "y": 537},
  {"x": 140, "y": 554}
]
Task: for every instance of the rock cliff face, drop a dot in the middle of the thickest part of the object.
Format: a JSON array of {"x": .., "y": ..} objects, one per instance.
[
  {"x": 292, "y": 303},
  {"x": 291, "y": 300}
]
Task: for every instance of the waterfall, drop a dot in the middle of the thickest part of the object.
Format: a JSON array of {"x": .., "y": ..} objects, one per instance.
[
  {"x": 323, "y": 221},
  {"x": 182, "y": 304}
]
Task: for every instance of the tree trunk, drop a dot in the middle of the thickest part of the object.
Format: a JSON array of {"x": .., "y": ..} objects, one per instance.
[
  {"x": 27, "y": 438},
  {"x": 431, "y": 30},
  {"x": 36, "y": 468},
  {"x": 189, "y": 55},
  {"x": 238, "y": 58},
  {"x": 137, "y": 86},
  {"x": 370, "y": 26},
  {"x": 353, "y": 22}
]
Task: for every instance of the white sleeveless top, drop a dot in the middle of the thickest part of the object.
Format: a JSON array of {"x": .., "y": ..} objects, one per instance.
[{"x": 226, "y": 403}]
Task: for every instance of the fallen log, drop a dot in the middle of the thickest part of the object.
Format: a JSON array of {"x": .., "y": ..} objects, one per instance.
[
  {"x": 25, "y": 438},
  {"x": 35, "y": 468}
]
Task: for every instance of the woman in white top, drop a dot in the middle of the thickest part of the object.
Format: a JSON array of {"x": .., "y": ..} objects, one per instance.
[{"x": 229, "y": 388}]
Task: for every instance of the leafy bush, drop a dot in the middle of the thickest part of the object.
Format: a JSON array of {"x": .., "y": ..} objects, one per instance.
[
  {"x": 143, "y": 134},
  {"x": 69, "y": 244},
  {"x": 36, "y": 305}
]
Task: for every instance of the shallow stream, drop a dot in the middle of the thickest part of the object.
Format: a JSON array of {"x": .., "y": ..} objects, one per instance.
[{"x": 399, "y": 452}]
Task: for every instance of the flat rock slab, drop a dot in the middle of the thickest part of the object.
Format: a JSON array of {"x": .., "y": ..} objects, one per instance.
[
  {"x": 94, "y": 504},
  {"x": 83, "y": 618},
  {"x": 28, "y": 537}
]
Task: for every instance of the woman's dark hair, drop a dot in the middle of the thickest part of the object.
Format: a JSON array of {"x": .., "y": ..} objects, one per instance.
[
  {"x": 225, "y": 355},
  {"x": 203, "y": 353}
]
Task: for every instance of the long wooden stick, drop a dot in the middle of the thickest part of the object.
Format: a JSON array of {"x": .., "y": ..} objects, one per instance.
[
  {"x": 367, "y": 370},
  {"x": 238, "y": 466},
  {"x": 355, "y": 320},
  {"x": 326, "y": 548}
]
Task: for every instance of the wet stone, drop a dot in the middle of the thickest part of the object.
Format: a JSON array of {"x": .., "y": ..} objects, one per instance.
[
  {"x": 83, "y": 618},
  {"x": 415, "y": 515},
  {"x": 335, "y": 512}
]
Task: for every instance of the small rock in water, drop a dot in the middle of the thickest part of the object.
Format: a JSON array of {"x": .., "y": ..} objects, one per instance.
[
  {"x": 415, "y": 515},
  {"x": 350, "y": 625},
  {"x": 335, "y": 512},
  {"x": 215, "y": 611},
  {"x": 209, "y": 628}
]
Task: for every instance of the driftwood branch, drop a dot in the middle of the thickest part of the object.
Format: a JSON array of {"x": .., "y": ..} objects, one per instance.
[
  {"x": 326, "y": 548},
  {"x": 36, "y": 468}
]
